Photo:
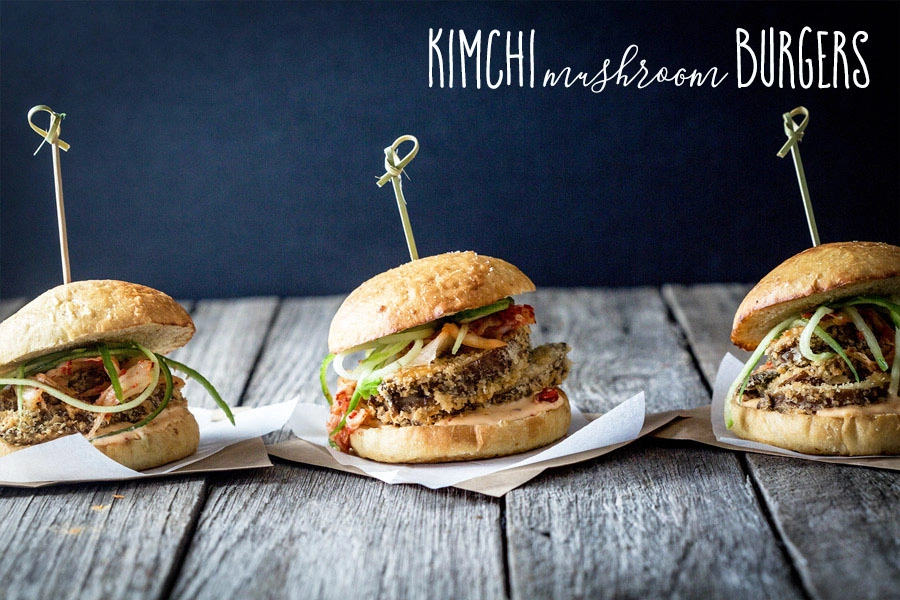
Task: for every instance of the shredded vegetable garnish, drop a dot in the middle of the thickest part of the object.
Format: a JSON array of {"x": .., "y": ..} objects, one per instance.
[
  {"x": 811, "y": 327},
  {"x": 112, "y": 371},
  {"x": 833, "y": 344},
  {"x": 412, "y": 347},
  {"x": 323, "y": 378},
  {"x": 806, "y": 336},
  {"x": 460, "y": 336},
  {"x": 167, "y": 375},
  {"x": 210, "y": 389},
  {"x": 895, "y": 368},
  {"x": 741, "y": 380},
  {"x": 863, "y": 328},
  {"x": 27, "y": 373}
]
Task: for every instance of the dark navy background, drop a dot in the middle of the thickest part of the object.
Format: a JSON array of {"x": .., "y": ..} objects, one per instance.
[{"x": 223, "y": 149}]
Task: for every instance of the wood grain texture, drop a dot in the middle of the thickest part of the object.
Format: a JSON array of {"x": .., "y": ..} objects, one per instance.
[
  {"x": 703, "y": 311},
  {"x": 296, "y": 345},
  {"x": 303, "y": 532},
  {"x": 839, "y": 523},
  {"x": 93, "y": 545},
  {"x": 84, "y": 541},
  {"x": 644, "y": 521},
  {"x": 622, "y": 343},
  {"x": 228, "y": 340},
  {"x": 654, "y": 519}
]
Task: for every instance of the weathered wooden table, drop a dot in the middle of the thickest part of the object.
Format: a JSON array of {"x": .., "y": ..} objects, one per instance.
[{"x": 654, "y": 519}]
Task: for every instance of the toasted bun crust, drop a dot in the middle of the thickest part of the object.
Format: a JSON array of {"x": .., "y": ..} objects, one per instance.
[
  {"x": 172, "y": 435},
  {"x": 448, "y": 442},
  {"x": 852, "y": 435},
  {"x": 85, "y": 312},
  {"x": 421, "y": 291},
  {"x": 816, "y": 276}
]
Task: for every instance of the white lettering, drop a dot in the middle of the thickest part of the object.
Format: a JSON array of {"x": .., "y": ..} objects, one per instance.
[
  {"x": 487, "y": 65},
  {"x": 742, "y": 44},
  {"x": 862, "y": 63},
  {"x": 625, "y": 76},
  {"x": 432, "y": 50},
  {"x": 465, "y": 49},
  {"x": 839, "y": 40},
  {"x": 804, "y": 83},
  {"x": 784, "y": 50}
]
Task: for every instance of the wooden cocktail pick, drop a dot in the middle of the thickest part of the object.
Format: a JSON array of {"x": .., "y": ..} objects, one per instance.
[
  {"x": 794, "y": 133},
  {"x": 394, "y": 166},
  {"x": 51, "y": 136}
]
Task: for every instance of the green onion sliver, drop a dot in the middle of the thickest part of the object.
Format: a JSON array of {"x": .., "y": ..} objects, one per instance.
[
  {"x": 167, "y": 375},
  {"x": 463, "y": 330},
  {"x": 111, "y": 371},
  {"x": 483, "y": 311},
  {"x": 895, "y": 368},
  {"x": 323, "y": 378},
  {"x": 407, "y": 335},
  {"x": 400, "y": 362},
  {"x": 834, "y": 345},
  {"x": 74, "y": 401},
  {"x": 864, "y": 328},
  {"x": 892, "y": 307},
  {"x": 20, "y": 401},
  {"x": 744, "y": 375},
  {"x": 210, "y": 389},
  {"x": 806, "y": 336},
  {"x": 93, "y": 407}
]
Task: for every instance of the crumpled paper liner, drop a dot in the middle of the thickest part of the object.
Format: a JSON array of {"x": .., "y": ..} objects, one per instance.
[
  {"x": 706, "y": 424},
  {"x": 588, "y": 437},
  {"x": 223, "y": 447}
]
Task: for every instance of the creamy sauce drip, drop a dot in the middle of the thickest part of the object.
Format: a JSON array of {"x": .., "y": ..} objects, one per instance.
[
  {"x": 508, "y": 411},
  {"x": 891, "y": 405}
]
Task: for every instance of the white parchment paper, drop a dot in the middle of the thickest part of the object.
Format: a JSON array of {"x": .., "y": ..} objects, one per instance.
[
  {"x": 73, "y": 458},
  {"x": 620, "y": 425}
]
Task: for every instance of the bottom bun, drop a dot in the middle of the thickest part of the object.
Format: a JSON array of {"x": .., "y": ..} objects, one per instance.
[
  {"x": 488, "y": 432},
  {"x": 172, "y": 435},
  {"x": 852, "y": 433}
]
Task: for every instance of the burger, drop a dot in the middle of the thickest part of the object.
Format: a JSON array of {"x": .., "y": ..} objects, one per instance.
[
  {"x": 824, "y": 328},
  {"x": 435, "y": 364},
  {"x": 88, "y": 358}
]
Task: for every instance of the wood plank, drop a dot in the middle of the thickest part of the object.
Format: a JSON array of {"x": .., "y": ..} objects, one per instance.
[
  {"x": 700, "y": 311},
  {"x": 296, "y": 345},
  {"x": 302, "y": 531},
  {"x": 131, "y": 547},
  {"x": 645, "y": 521},
  {"x": 838, "y": 523},
  {"x": 85, "y": 541},
  {"x": 229, "y": 338},
  {"x": 622, "y": 343}
]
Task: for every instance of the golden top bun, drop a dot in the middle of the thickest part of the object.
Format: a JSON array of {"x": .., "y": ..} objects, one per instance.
[
  {"x": 85, "y": 312},
  {"x": 421, "y": 291},
  {"x": 816, "y": 276}
]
